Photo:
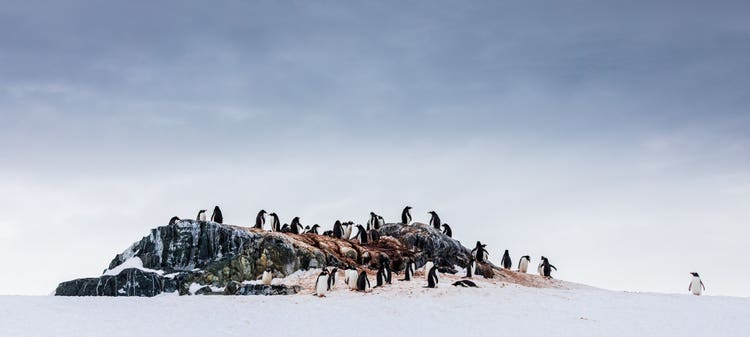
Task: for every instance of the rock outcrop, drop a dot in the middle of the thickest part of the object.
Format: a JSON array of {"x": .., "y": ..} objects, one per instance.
[{"x": 190, "y": 253}]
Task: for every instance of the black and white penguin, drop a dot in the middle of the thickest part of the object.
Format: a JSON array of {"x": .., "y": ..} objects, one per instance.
[
  {"x": 201, "y": 215},
  {"x": 480, "y": 253},
  {"x": 432, "y": 279},
  {"x": 406, "y": 216},
  {"x": 426, "y": 268},
  {"x": 435, "y": 220},
  {"x": 321, "y": 284},
  {"x": 465, "y": 284},
  {"x": 363, "y": 283},
  {"x": 523, "y": 263},
  {"x": 295, "y": 226},
  {"x": 539, "y": 268},
  {"x": 374, "y": 235},
  {"x": 408, "y": 270},
  {"x": 381, "y": 222},
  {"x": 506, "y": 262},
  {"x": 338, "y": 231},
  {"x": 361, "y": 234},
  {"x": 306, "y": 230},
  {"x": 471, "y": 267},
  {"x": 447, "y": 230},
  {"x": 275, "y": 223},
  {"x": 216, "y": 215},
  {"x": 286, "y": 229},
  {"x": 260, "y": 219},
  {"x": 173, "y": 221},
  {"x": 547, "y": 268},
  {"x": 348, "y": 226},
  {"x": 373, "y": 221},
  {"x": 350, "y": 278},
  {"x": 267, "y": 276},
  {"x": 696, "y": 285},
  {"x": 314, "y": 229},
  {"x": 332, "y": 278},
  {"x": 380, "y": 277}
]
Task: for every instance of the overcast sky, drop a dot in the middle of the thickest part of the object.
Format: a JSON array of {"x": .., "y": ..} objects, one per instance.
[{"x": 612, "y": 137}]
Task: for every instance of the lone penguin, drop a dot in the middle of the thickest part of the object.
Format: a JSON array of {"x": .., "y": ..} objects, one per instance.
[
  {"x": 539, "y": 268},
  {"x": 506, "y": 262},
  {"x": 275, "y": 223},
  {"x": 547, "y": 268},
  {"x": 321, "y": 284},
  {"x": 447, "y": 230},
  {"x": 216, "y": 215},
  {"x": 523, "y": 263},
  {"x": 696, "y": 285},
  {"x": 201, "y": 215},
  {"x": 435, "y": 220},
  {"x": 465, "y": 284},
  {"x": 427, "y": 267},
  {"x": 432, "y": 279},
  {"x": 260, "y": 219},
  {"x": 174, "y": 220},
  {"x": 267, "y": 276},
  {"x": 363, "y": 283},
  {"x": 406, "y": 216}
]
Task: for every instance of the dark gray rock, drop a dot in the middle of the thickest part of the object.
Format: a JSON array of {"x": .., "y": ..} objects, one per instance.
[
  {"x": 261, "y": 289},
  {"x": 129, "y": 282},
  {"x": 204, "y": 291}
]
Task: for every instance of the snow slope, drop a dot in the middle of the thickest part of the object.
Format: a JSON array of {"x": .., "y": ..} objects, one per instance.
[{"x": 403, "y": 309}]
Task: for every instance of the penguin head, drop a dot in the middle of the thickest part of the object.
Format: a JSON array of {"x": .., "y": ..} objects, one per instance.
[
  {"x": 506, "y": 251},
  {"x": 202, "y": 211},
  {"x": 268, "y": 269},
  {"x": 372, "y": 214},
  {"x": 263, "y": 211},
  {"x": 273, "y": 214},
  {"x": 694, "y": 274},
  {"x": 315, "y": 226},
  {"x": 444, "y": 225},
  {"x": 407, "y": 208},
  {"x": 526, "y": 257}
]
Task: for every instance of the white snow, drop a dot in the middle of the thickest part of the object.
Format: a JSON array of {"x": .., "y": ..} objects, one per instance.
[
  {"x": 133, "y": 262},
  {"x": 401, "y": 309}
]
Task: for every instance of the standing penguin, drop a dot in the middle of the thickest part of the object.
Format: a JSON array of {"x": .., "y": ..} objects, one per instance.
[
  {"x": 435, "y": 220},
  {"x": 267, "y": 276},
  {"x": 275, "y": 223},
  {"x": 201, "y": 215},
  {"x": 361, "y": 234},
  {"x": 427, "y": 267},
  {"x": 296, "y": 227},
  {"x": 314, "y": 229},
  {"x": 338, "y": 231},
  {"x": 408, "y": 271},
  {"x": 381, "y": 222},
  {"x": 350, "y": 278},
  {"x": 447, "y": 230},
  {"x": 321, "y": 284},
  {"x": 174, "y": 220},
  {"x": 363, "y": 283},
  {"x": 380, "y": 277},
  {"x": 539, "y": 268},
  {"x": 523, "y": 263},
  {"x": 696, "y": 285},
  {"x": 547, "y": 268},
  {"x": 480, "y": 253},
  {"x": 432, "y": 279},
  {"x": 406, "y": 216},
  {"x": 332, "y": 278},
  {"x": 373, "y": 221},
  {"x": 506, "y": 262},
  {"x": 374, "y": 235},
  {"x": 260, "y": 219},
  {"x": 471, "y": 267},
  {"x": 216, "y": 215}
]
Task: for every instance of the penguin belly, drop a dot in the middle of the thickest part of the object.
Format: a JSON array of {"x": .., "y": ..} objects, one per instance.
[
  {"x": 352, "y": 279},
  {"x": 321, "y": 286},
  {"x": 695, "y": 286},
  {"x": 523, "y": 266},
  {"x": 267, "y": 277},
  {"x": 427, "y": 268}
]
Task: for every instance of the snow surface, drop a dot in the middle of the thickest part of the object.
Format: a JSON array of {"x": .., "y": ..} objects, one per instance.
[
  {"x": 133, "y": 262},
  {"x": 402, "y": 309}
]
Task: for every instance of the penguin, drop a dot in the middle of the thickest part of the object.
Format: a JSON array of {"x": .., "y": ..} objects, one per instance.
[
  {"x": 314, "y": 229},
  {"x": 361, "y": 234},
  {"x": 465, "y": 284},
  {"x": 381, "y": 222},
  {"x": 350, "y": 278},
  {"x": 432, "y": 279},
  {"x": 366, "y": 258},
  {"x": 267, "y": 276},
  {"x": 275, "y": 223},
  {"x": 338, "y": 231},
  {"x": 547, "y": 268},
  {"x": 321, "y": 284},
  {"x": 447, "y": 230},
  {"x": 332, "y": 278},
  {"x": 374, "y": 235},
  {"x": 427, "y": 267},
  {"x": 260, "y": 219},
  {"x": 523, "y": 263},
  {"x": 295, "y": 226},
  {"x": 286, "y": 229},
  {"x": 201, "y": 215},
  {"x": 406, "y": 216},
  {"x": 380, "y": 277},
  {"x": 173, "y": 221},
  {"x": 363, "y": 283},
  {"x": 306, "y": 230},
  {"x": 373, "y": 222},
  {"x": 539, "y": 268},
  {"x": 348, "y": 229},
  {"x": 408, "y": 271},
  {"x": 506, "y": 262},
  {"x": 216, "y": 215},
  {"x": 386, "y": 264},
  {"x": 435, "y": 220},
  {"x": 480, "y": 253},
  {"x": 696, "y": 285},
  {"x": 471, "y": 267},
  {"x": 328, "y": 233}
]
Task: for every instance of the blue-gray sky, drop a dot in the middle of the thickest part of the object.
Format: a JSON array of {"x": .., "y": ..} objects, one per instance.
[{"x": 613, "y": 137}]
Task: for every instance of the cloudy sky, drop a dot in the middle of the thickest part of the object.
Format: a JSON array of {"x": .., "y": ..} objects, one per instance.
[{"x": 612, "y": 137}]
